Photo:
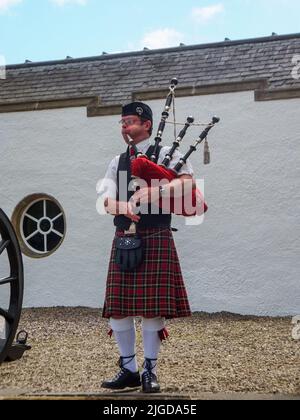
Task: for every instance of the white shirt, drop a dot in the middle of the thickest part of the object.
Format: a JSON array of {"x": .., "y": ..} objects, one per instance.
[{"x": 107, "y": 187}]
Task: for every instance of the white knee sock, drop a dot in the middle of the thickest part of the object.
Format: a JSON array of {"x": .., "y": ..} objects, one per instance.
[
  {"x": 151, "y": 340},
  {"x": 125, "y": 335}
]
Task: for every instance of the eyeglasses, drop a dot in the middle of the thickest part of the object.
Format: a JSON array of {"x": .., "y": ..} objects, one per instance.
[{"x": 129, "y": 122}]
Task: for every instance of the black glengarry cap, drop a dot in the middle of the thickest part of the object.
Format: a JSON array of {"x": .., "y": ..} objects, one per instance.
[{"x": 138, "y": 108}]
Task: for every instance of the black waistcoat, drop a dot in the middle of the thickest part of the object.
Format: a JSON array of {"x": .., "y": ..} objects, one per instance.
[{"x": 147, "y": 220}]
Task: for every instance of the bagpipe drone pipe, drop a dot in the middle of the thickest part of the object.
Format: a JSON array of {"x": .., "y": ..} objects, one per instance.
[{"x": 148, "y": 170}]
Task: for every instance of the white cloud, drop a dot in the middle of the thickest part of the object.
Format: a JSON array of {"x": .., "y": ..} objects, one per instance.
[
  {"x": 162, "y": 38},
  {"x": 5, "y": 4},
  {"x": 204, "y": 14},
  {"x": 64, "y": 2}
]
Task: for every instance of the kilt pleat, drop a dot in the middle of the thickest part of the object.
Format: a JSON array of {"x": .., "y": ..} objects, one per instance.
[{"x": 155, "y": 289}]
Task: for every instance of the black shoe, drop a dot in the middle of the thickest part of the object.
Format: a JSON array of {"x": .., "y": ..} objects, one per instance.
[
  {"x": 149, "y": 379},
  {"x": 125, "y": 378}
]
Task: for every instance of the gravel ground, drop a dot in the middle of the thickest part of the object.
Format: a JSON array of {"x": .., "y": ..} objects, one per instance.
[{"x": 72, "y": 353}]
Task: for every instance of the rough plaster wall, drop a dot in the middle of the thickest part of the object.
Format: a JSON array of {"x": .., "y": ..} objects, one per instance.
[{"x": 244, "y": 258}]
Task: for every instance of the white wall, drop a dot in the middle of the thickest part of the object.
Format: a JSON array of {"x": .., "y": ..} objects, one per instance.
[{"x": 244, "y": 258}]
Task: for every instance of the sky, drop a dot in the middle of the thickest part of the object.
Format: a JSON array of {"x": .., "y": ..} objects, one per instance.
[{"x": 43, "y": 30}]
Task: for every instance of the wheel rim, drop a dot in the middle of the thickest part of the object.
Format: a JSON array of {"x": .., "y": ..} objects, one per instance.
[
  {"x": 9, "y": 248},
  {"x": 40, "y": 225}
]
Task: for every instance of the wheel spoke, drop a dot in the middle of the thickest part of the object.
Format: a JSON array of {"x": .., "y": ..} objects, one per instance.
[
  {"x": 32, "y": 235},
  {"x": 45, "y": 243},
  {"x": 31, "y": 217},
  {"x": 57, "y": 233},
  {"x": 57, "y": 217},
  {"x": 3, "y": 246},
  {"x": 45, "y": 209},
  {"x": 7, "y": 316},
  {"x": 7, "y": 280}
]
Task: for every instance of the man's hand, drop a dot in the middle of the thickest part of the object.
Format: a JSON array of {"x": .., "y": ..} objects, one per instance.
[
  {"x": 117, "y": 208},
  {"x": 130, "y": 213},
  {"x": 146, "y": 196}
]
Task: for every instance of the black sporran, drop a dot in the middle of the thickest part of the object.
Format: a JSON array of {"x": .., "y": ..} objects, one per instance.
[{"x": 129, "y": 252}]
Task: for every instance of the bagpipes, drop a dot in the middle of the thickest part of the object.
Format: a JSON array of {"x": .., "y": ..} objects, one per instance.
[{"x": 147, "y": 169}]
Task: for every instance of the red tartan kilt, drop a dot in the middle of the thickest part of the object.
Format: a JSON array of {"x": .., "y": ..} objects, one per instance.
[{"x": 155, "y": 289}]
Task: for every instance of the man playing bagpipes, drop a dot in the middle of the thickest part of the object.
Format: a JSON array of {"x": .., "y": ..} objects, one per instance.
[{"x": 144, "y": 276}]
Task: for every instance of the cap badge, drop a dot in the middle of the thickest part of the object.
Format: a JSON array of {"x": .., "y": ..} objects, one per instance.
[{"x": 139, "y": 111}]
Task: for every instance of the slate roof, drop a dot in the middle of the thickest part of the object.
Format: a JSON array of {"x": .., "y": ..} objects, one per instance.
[{"x": 115, "y": 76}]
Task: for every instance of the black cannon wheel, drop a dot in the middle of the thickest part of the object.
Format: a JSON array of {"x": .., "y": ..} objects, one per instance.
[{"x": 9, "y": 245}]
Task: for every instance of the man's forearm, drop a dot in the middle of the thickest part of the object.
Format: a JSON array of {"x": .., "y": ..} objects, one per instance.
[{"x": 179, "y": 187}]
